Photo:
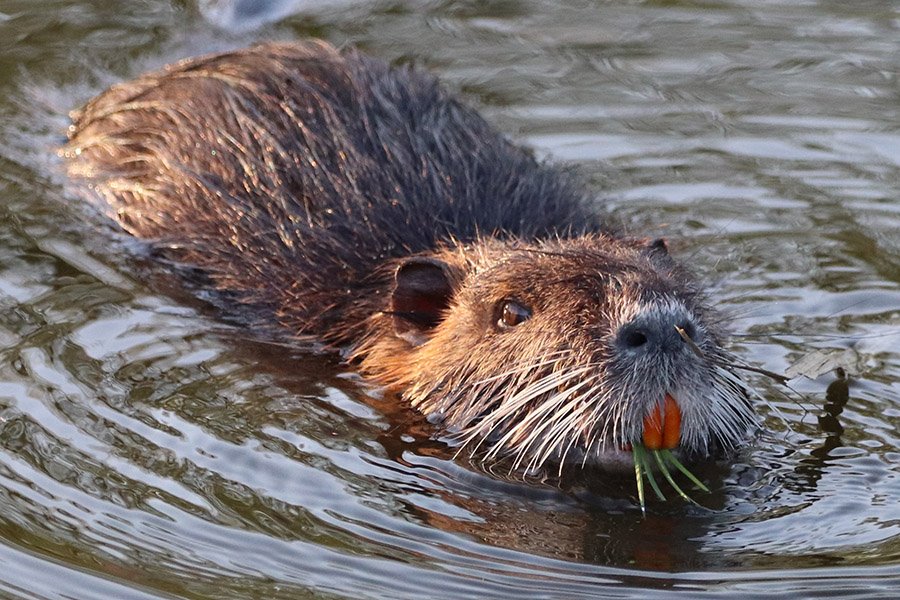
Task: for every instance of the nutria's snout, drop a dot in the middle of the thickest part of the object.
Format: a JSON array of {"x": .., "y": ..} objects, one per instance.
[
  {"x": 663, "y": 341},
  {"x": 657, "y": 331}
]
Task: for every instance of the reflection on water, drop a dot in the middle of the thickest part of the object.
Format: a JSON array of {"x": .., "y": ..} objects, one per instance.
[{"x": 147, "y": 450}]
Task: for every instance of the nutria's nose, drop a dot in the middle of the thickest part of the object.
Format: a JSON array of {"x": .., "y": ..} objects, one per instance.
[{"x": 657, "y": 331}]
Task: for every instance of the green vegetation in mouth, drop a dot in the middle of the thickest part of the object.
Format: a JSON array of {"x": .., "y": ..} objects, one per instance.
[{"x": 645, "y": 459}]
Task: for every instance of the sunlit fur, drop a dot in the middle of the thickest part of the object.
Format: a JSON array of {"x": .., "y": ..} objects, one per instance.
[{"x": 294, "y": 179}]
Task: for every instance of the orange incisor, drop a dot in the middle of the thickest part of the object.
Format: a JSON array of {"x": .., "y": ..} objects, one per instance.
[{"x": 662, "y": 426}]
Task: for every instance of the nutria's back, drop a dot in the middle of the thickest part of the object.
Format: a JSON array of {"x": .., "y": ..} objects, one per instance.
[
  {"x": 301, "y": 171},
  {"x": 327, "y": 194}
]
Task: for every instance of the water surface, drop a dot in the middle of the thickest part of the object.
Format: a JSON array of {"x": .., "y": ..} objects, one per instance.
[{"x": 148, "y": 450}]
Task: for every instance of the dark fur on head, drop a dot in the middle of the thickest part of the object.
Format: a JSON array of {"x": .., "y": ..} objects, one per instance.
[{"x": 337, "y": 197}]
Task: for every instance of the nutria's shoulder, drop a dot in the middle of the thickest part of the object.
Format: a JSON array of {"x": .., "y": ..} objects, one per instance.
[
  {"x": 304, "y": 170},
  {"x": 328, "y": 194}
]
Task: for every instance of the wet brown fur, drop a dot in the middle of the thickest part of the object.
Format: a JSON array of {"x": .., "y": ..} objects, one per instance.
[{"x": 301, "y": 182}]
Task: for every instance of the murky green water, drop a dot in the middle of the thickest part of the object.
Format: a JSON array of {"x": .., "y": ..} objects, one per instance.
[{"x": 147, "y": 451}]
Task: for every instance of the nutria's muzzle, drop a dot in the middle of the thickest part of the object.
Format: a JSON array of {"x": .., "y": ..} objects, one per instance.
[{"x": 656, "y": 330}]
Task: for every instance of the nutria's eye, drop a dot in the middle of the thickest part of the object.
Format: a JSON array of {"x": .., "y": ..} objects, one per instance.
[{"x": 512, "y": 313}]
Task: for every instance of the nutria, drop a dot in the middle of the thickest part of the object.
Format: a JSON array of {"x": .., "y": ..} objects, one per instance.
[{"x": 327, "y": 194}]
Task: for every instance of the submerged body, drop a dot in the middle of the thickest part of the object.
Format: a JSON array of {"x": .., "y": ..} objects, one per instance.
[{"x": 328, "y": 195}]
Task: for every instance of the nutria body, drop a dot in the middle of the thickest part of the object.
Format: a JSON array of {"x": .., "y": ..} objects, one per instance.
[{"x": 326, "y": 194}]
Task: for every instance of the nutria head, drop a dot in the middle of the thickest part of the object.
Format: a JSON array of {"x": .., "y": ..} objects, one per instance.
[{"x": 557, "y": 351}]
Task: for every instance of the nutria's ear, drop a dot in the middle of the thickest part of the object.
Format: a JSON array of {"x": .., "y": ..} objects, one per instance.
[
  {"x": 659, "y": 246},
  {"x": 422, "y": 291},
  {"x": 657, "y": 250},
  {"x": 655, "y": 247}
]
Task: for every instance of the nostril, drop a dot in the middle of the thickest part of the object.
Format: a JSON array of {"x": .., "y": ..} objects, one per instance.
[{"x": 634, "y": 338}]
